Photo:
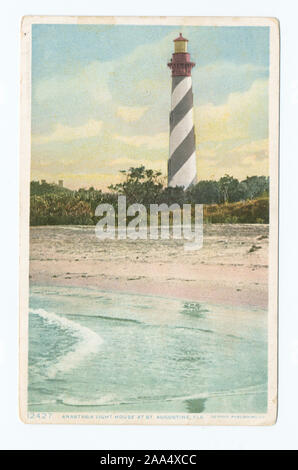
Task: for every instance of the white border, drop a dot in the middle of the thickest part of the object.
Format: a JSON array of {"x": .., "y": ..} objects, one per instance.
[{"x": 202, "y": 419}]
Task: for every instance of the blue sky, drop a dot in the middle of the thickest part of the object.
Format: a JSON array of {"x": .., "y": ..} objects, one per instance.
[{"x": 101, "y": 98}]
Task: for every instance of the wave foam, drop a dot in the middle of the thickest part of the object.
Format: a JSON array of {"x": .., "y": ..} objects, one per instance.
[
  {"x": 88, "y": 342},
  {"x": 249, "y": 390},
  {"x": 108, "y": 399}
]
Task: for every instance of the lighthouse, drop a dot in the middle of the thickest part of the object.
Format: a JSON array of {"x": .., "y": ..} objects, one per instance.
[{"x": 182, "y": 167}]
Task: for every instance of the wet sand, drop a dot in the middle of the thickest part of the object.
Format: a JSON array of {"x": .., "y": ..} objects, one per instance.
[{"x": 231, "y": 268}]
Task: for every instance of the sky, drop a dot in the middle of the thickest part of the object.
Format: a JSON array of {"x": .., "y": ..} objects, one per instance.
[{"x": 101, "y": 100}]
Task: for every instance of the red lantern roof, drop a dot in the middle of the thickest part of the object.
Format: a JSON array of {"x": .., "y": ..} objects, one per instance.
[{"x": 180, "y": 38}]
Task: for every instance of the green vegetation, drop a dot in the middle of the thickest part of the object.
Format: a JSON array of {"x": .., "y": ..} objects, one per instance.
[
  {"x": 225, "y": 201},
  {"x": 54, "y": 209},
  {"x": 246, "y": 212}
]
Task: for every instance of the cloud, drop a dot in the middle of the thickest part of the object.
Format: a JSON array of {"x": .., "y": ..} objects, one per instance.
[
  {"x": 243, "y": 116},
  {"x": 258, "y": 148},
  {"x": 67, "y": 133},
  {"x": 130, "y": 113},
  {"x": 156, "y": 141},
  {"x": 88, "y": 82},
  {"x": 233, "y": 137},
  {"x": 238, "y": 159},
  {"x": 214, "y": 82},
  {"x": 136, "y": 80},
  {"x": 125, "y": 163}
]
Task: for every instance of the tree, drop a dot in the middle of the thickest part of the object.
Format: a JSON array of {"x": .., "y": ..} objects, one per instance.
[
  {"x": 173, "y": 196},
  {"x": 140, "y": 185},
  {"x": 204, "y": 192},
  {"x": 38, "y": 189},
  {"x": 255, "y": 186},
  {"x": 229, "y": 189}
]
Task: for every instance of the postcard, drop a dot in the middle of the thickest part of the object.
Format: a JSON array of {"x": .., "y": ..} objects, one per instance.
[{"x": 149, "y": 220}]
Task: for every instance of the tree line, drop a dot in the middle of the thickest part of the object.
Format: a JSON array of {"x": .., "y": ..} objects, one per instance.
[{"x": 51, "y": 204}]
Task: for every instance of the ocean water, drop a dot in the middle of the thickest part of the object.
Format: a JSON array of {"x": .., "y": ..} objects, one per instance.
[{"x": 113, "y": 352}]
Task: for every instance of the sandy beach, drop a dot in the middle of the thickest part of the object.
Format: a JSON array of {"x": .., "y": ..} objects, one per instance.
[{"x": 231, "y": 268}]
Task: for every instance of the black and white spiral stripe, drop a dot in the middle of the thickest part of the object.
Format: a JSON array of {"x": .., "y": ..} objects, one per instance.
[{"x": 182, "y": 158}]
